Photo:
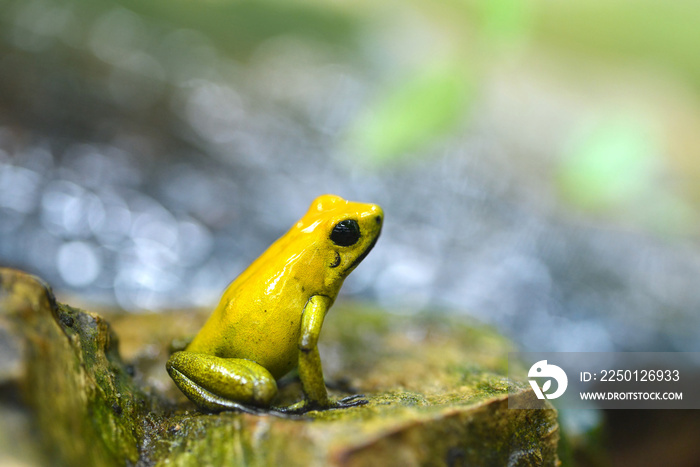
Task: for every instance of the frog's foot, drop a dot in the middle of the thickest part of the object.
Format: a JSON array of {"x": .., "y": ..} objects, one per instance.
[
  {"x": 305, "y": 406},
  {"x": 350, "y": 401},
  {"x": 217, "y": 384}
]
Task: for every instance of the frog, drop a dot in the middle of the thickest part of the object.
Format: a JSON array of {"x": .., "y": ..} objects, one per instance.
[{"x": 268, "y": 320}]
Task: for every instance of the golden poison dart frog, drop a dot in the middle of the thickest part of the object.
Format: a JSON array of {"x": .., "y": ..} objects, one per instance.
[{"x": 269, "y": 318}]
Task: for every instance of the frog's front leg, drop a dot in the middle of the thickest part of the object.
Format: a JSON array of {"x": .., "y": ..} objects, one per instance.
[
  {"x": 215, "y": 383},
  {"x": 310, "y": 369}
]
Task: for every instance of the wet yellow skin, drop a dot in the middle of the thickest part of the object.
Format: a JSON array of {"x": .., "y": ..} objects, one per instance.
[{"x": 269, "y": 319}]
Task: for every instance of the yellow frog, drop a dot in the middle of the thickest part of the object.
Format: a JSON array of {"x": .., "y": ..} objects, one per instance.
[{"x": 269, "y": 319}]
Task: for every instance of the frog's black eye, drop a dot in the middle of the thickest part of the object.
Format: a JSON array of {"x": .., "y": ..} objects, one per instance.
[{"x": 345, "y": 233}]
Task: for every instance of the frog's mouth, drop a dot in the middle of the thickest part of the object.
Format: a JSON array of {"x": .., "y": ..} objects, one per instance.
[{"x": 362, "y": 256}]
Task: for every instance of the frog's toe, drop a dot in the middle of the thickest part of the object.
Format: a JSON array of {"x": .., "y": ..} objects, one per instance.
[
  {"x": 297, "y": 408},
  {"x": 351, "y": 401},
  {"x": 352, "y": 398}
]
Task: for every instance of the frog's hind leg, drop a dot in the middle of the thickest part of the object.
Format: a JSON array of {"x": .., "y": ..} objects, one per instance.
[{"x": 216, "y": 384}]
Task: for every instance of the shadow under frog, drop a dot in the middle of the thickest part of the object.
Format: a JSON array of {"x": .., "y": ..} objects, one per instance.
[{"x": 269, "y": 318}]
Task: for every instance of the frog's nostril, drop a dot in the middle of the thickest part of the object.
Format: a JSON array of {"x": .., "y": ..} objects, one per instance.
[{"x": 378, "y": 219}]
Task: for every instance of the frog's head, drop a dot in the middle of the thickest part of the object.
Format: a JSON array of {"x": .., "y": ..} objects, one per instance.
[{"x": 344, "y": 233}]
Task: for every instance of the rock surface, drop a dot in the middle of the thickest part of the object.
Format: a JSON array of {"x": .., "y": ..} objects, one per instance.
[{"x": 434, "y": 385}]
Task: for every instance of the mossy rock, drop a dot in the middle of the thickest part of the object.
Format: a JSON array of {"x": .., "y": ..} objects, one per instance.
[{"x": 435, "y": 386}]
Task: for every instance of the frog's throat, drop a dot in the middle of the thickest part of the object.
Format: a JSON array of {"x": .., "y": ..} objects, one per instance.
[{"x": 359, "y": 259}]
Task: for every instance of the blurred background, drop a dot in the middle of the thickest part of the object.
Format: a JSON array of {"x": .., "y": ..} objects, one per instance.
[{"x": 538, "y": 161}]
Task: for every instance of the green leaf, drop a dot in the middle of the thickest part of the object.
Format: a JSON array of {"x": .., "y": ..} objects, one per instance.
[
  {"x": 416, "y": 112},
  {"x": 610, "y": 167}
]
